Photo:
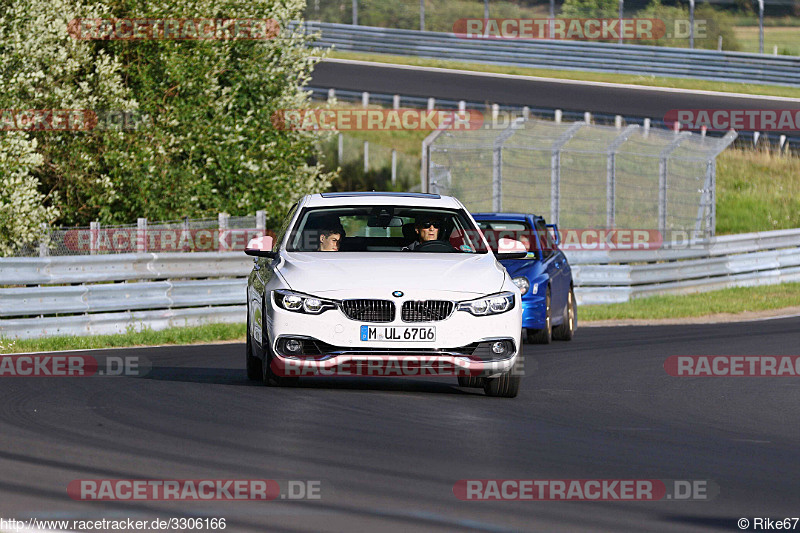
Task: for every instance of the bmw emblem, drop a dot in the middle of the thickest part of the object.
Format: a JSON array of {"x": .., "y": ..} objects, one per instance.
[{"x": 397, "y": 294}]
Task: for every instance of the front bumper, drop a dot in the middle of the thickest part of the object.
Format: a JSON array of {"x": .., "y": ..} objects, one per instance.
[
  {"x": 332, "y": 345},
  {"x": 533, "y": 312}
]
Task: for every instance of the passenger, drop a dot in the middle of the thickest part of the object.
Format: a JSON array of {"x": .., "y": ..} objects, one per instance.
[{"x": 329, "y": 239}]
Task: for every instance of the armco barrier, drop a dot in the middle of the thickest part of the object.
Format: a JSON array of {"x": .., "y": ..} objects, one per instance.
[
  {"x": 89, "y": 295},
  {"x": 570, "y": 55}
]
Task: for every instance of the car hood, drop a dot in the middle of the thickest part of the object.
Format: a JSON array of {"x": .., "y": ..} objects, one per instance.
[{"x": 359, "y": 272}]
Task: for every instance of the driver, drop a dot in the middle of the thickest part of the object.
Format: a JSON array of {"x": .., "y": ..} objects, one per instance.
[
  {"x": 329, "y": 239},
  {"x": 427, "y": 229}
]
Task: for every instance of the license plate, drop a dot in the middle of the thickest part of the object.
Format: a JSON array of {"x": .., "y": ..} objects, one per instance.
[{"x": 395, "y": 334}]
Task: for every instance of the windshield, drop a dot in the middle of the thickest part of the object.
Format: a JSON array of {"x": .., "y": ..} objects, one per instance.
[
  {"x": 385, "y": 228},
  {"x": 519, "y": 230}
]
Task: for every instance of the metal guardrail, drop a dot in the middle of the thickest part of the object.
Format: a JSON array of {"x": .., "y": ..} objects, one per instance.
[
  {"x": 570, "y": 55},
  {"x": 90, "y": 295}
]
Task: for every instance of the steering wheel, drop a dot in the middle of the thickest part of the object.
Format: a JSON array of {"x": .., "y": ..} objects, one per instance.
[{"x": 435, "y": 246}]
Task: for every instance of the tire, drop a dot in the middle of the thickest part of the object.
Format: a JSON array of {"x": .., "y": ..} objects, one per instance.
[
  {"x": 566, "y": 330},
  {"x": 253, "y": 363},
  {"x": 506, "y": 385},
  {"x": 543, "y": 336},
  {"x": 470, "y": 381}
]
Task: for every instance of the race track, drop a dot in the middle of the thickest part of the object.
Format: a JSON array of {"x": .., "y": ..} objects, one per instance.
[
  {"x": 632, "y": 101},
  {"x": 388, "y": 451}
]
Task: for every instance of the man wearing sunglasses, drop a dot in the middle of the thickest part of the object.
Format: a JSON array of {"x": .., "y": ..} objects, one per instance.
[{"x": 427, "y": 229}]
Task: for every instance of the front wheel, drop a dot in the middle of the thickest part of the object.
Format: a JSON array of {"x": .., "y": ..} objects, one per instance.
[
  {"x": 566, "y": 330},
  {"x": 253, "y": 362},
  {"x": 506, "y": 385}
]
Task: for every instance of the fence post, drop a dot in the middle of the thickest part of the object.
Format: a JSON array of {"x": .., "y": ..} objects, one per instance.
[
  {"x": 426, "y": 159},
  {"x": 555, "y": 170},
  {"x": 44, "y": 240},
  {"x": 421, "y": 15},
  {"x": 611, "y": 174},
  {"x": 366, "y": 157},
  {"x": 141, "y": 235},
  {"x": 340, "y": 150},
  {"x": 223, "y": 232},
  {"x": 94, "y": 234},
  {"x": 394, "y": 167},
  {"x": 261, "y": 221},
  {"x": 497, "y": 163},
  {"x": 355, "y": 12},
  {"x": 663, "y": 161}
]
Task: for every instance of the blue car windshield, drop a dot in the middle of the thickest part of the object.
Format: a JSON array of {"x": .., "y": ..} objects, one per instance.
[{"x": 519, "y": 230}]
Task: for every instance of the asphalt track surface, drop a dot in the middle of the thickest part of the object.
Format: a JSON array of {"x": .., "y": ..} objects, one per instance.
[
  {"x": 521, "y": 91},
  {"x": 388, "y": 451}
]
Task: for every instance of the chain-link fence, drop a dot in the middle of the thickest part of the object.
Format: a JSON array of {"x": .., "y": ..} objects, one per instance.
[
  {"x": 224, "y": 233},
  {"x": 581, "y": 175}
]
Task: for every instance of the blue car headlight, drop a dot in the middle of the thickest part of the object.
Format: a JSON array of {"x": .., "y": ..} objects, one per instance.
[
  {"x": 522, "y": 284},
  {"x": 494, "y": 304},
  {"x": 302, "y": 303}
]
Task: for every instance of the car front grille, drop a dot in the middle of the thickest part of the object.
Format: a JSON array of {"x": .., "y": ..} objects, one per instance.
[
  {"x": 369, "y": 310},
  {"x": 426, "y": 311}
]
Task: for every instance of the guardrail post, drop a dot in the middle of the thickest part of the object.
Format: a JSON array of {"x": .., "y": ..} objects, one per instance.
[
  {"x": 431, "y": 104},
  {"x": 396, "y": 101},
  {"x": 331, "y": 94},
  {"x": 366, "y": 157},
  {"x": 94, "y": 234},
  {"x": 340, "y": 150},
  {"x": 557, "y": 116},
  {"x": 44, "y": 240},
  {"x": 526, "y": 113},
  {"x": 223, "y": 232},
  {"x": 462, "y": 105},
  {"x": 141, "y": 235},
  {"x": 365, "y": 98}
]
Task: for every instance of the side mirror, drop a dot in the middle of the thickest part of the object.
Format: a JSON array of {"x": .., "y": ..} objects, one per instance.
[
  {"x": 261, "y": 247},
  {"x": 511, "y": 249},
  {"x": 556, "y": 235}
]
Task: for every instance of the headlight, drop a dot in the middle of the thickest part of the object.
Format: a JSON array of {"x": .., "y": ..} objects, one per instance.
[
  {"x": 522, "y": 284},
  {"x": 302, "y": 303},
  {"x": 489, "y": 305}
]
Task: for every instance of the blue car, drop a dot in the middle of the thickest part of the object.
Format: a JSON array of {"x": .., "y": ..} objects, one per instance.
[{"x": 549, "y": 310}]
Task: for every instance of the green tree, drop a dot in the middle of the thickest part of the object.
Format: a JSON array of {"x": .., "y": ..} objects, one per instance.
[
  {"x": 208, "y": 144},
  {"x": 590, "y": 8}
]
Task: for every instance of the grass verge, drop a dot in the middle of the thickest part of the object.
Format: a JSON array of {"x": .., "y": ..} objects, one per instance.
[
  {"x": 649, "y": 81},
  {"x": 146, "y": 337},
  {"x": 733, "y": 300}
]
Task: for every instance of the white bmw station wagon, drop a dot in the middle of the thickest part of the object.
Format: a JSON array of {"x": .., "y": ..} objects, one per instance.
[{"x": 392, "y": 284}]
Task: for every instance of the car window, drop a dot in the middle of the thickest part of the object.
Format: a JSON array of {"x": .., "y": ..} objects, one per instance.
[
  {"x": 385, "y": 228},
  {"x": 519, "y": 230}
]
